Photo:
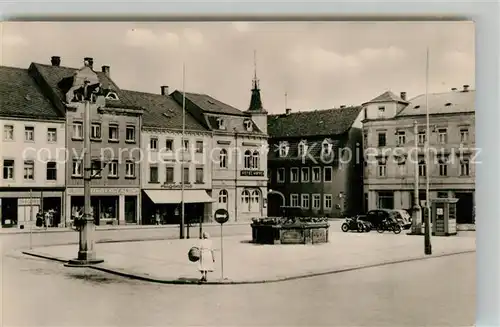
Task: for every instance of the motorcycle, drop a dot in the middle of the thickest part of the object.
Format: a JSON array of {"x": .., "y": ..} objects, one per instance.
[
  {"x": 391, "y": 226},
  {"x": 355, "y": 224}
]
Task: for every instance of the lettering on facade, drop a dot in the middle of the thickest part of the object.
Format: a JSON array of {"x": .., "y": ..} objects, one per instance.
[
  {"x": 252, "y": 173},
  {"x": 176, "y": 186},
  {"x": 105, "y": 191},
  {"x": 28, "y": 201}
]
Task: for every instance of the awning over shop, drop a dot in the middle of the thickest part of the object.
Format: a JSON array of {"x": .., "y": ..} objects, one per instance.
[{"x": 175, "y": 196}]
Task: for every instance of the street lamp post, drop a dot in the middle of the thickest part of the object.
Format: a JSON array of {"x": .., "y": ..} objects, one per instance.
[
  {"x": 427, "y": 241},
  {"x": 417, "y": 213}
]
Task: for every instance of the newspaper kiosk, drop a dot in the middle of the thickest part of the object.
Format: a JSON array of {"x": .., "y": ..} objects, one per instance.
[{"x": 444, "y": 216}]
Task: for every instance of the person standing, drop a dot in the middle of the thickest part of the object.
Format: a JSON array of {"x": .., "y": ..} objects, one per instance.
[{"x": 207, "y": 257}]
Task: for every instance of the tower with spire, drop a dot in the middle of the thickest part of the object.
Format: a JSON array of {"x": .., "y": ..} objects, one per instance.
[{"x": 256, "y": 109}]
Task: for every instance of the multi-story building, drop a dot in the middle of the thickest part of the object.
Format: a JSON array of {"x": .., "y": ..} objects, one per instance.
[
  {"x": 115, "y": 141},
  {"x": 315, "y": 161},
  {"x": 33, "y": 168},
  {"x": 171, "y": 159},
  {"x": 238, "y": 155},
  {"x": 389, "y": 137}
]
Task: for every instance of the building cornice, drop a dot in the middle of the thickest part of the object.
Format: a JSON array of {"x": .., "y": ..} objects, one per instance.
[{"x": 38, "y": 120}]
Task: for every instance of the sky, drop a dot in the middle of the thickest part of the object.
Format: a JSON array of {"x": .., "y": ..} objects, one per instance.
[{"x": 319, "y": 65}]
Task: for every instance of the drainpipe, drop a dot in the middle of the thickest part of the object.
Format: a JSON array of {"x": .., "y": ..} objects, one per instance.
[{"x": 236, "y": 178}]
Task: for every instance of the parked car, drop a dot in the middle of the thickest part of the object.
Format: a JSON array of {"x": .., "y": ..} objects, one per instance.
[
  {"x": 377, "y": 216},
  {"x": 403, "y": 217},
  {"x": 356, "y": 223}
]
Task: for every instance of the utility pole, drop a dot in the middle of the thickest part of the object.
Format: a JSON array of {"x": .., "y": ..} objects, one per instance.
[
  {"x": 417, "y": 213},
  {"x": 427, "y": 241},
  {"x": 181, "y": 234},
  {"x": 86, "y": 253}
]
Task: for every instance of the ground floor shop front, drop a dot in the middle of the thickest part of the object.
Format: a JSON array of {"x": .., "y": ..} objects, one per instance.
[
  {"x": 404, "y": 199},
  {"x": 109, "y": 206},
  {"x": 19, "y": 207},
  {"x": 160, "y": 207}
]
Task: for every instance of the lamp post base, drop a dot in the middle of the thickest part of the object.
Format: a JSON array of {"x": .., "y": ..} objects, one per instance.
[{"x": 83, "y": 262}]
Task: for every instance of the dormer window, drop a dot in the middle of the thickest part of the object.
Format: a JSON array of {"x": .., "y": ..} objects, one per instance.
[
  {"x": 326, "y": 146},
  {"x": 283, "y": 149},
  {"x": 381, "y": 111},
  {"x": 248, "y": 125},
  {"x": 221, "y": 123},
  {"x": 302, "y": 148},
  {"x": 111, "y": 96}
]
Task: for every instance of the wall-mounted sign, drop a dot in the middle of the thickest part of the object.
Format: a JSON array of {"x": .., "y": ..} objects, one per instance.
[
  {"x": 27, "y": 202},
  {"x": 175, "y": 186},
  {"x": 252, "y": 173},
  {"x": 105, "y": 191}
]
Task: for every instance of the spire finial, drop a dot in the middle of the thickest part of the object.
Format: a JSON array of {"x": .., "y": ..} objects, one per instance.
[{"x": 255, "y": 80}]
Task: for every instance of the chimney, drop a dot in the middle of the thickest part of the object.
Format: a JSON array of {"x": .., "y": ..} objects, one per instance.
[
  {"x": 453, "y": 89},
  {"x": 164, "y": 90},
  {"x": 105, "y": 70},
  {"x": 288, "y": 111},
  {"x": 90, "y": 62},
  {"x": 466, "y": 88},
  {"x": 402, "y": 95},
  {"x": 56, "y": 61}
]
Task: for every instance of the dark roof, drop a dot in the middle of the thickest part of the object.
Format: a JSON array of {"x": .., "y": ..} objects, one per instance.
[
  {"x": 312, "y": 123},
  {"x": 55, "y": 75},
  {"x": 20, "y": 96},
  {"x": 161, "y": 111},
  {"x": 210, "y": 105},
  {"x": 256, "y": 101},
  {"x": 387, "y": 96},
  {"x": 441, "y": 103},
  {"x": 234, "y": 124}
]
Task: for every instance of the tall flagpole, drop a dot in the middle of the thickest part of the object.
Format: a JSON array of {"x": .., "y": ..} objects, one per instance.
[
  {"x": 427, "y": 238},
  {"x": 183, "y": 149}
]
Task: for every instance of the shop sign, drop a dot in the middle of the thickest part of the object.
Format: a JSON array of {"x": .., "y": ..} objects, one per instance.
[
  {"x": 105, "y": 191},
  {"x": 252, "y": 173},
  {"x": 28, "y": 201},
  {"x": 176, "y": 186}
]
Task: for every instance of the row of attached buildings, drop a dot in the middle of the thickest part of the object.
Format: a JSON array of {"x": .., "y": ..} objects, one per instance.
[
  {"x": 142, "y": 166},
  {"x": 335, "y": 162}
]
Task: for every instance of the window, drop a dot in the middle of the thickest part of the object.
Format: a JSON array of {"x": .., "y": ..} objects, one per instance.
[
  {"x": 464, "y": 167},
  {"x": 421, "y": 137},
  {"x": 382, "y": 139},
  {"x": 248, "y": 125},
  {"x": 316, "y": 174},
  {"x": 153, "y": 173},
  {"x": 255, "y": 198},
  {"x": 185, "y": 175},
  {"x": 113, "y": 169},
  {"x": 96, "y": 169},
  {"x": 8, "y": 132},
  {"x": 51, "y": 171},
  {"x": 199, "y": 146},
  {"x": 29, "y": 133},
  {"x": 220, "y": 123},
  {"x": 245, "y": 200},
  {"x": 256, "y": 160},
  {"x": 283, "y": 149},
  {"x": 77, "y": 169},
  {"x": 305, "y": 174},
  {"x": 185, "y": 145},
  {"x": 130, "y": 134},
  {"x": 169, "y": 145},
  {"x": 464, "y": 135},
  {"x": 51, "y": 135},
  {"x": 247, "y": 159},
  {"x": 422, "y": 169},
  {"x": 381, "y": 111},
  {"x": 328, "y": 174},
  {"x": 95, "y": 131},
  {"x": 130, "y": 169},
  {"x": 281, "y": 175},
  {"x": 316, "y": 201},
  {"x": 199, "y": 175},
  {"x": 153, "y": 143},
  {"x": 443, "y": 167},
  {"x": 223, "y": 158},
  {"x": 328, "y": 201},
  {"x": 223, "y": 196},
  {"x": 442, "y": 136},
  {"x": 8, "y": 169},
  {"x": 294, "y": 200},
  {"x": 305, "y": 201},
  {"x": 401, "y": 138},
  {"x": 29, "y": 170},
  {"x": 169, "y": 176},
  {"x": 113, "y": 133},
  {"x": 382, "y": 168},
  {"x": 294, "y": 175},
  {"x": 78, "y": 130},
  {"x": 365, "y": 139},
  {"x": 326, "y": 147},
  {"x": 302, "y": 148}
]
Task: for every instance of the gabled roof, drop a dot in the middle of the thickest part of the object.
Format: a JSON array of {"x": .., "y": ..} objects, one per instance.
[
  {"x": 387, "y": 96},
  {"x": 161, "y": 111},
  {"x": 441, "y": 103},
  {"x": 21, "y": 97},
  {"x": 211, "y": 105},
  {"x": 313, "y": 149},
  {"x": 312, "y": 123},
  {"x": 56, "y": 75}
]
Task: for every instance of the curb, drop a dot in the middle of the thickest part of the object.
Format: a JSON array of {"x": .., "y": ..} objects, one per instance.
[{"x": 102, "y": 268}]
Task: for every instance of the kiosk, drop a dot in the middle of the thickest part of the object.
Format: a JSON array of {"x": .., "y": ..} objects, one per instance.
[{"x": 444, "y": 216}]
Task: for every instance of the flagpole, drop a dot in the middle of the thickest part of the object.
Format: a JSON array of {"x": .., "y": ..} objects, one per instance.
[
  {"x": 183, "y": 149},
  {"x": 427, "y": 238}
]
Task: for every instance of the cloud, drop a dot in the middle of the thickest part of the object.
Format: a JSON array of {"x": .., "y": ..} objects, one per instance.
[
  {"x": 13, "y": 40},
  {"x": 142, "y": 37}
]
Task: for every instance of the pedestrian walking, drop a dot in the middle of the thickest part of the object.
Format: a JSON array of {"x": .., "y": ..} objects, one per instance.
[{"x": 207, "y": 257}]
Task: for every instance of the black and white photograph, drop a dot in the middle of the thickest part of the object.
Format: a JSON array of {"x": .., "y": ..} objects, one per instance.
[{"x": 238, "y": 173}]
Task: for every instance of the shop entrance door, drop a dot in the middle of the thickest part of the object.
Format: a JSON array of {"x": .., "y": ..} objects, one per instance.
[{"x": 131, "y": 209}]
